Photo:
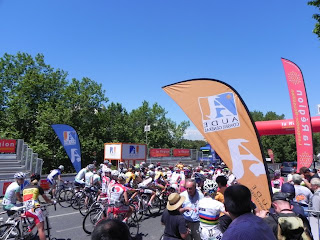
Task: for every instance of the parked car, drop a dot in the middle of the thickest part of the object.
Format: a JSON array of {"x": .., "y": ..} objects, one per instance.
[{"x": 288, "y": 167}]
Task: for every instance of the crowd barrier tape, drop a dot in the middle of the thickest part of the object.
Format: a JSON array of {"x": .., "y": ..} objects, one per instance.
[{"x": 43, "y": 182}]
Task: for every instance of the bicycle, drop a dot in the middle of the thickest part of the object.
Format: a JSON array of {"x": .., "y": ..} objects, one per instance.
[
  {"x": 23, "y": 227},
  {"x": 105, "y": 211},
  {"x": 91, "y": 193},
  {"x": 140, "y": 202}
]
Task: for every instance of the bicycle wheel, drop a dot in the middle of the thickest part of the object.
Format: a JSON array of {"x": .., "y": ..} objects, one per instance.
[
  {"x": 47, "y": 228},
  {"x": 75, "y": 199},
  {"x": 9, "y": 231},
  {"x": 84, "y": 208},
  {"x": 29, "y": 229},
  {"x": 133, "y": 225},
  {"x": 91, "y": 219},
  {"x": 65, "y": 197},
  {"x": 156, "y": 206}
]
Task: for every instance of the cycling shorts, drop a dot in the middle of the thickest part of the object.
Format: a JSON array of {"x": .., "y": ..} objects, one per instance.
[
  {"x": 79, "y": 183},
  {"x": 118, "y": 210},
  {"x": 36, "y": 214},
  {"x": 52, "y": 182}
]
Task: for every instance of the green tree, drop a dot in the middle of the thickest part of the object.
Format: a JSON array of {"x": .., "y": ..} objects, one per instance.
[
  {"x": 283, "y": 146},
  {"x": 316, "y": 16}
]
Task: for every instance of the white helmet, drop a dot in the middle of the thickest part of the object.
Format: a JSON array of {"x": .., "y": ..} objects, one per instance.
[
  {"x": 108, "y": 170},
  {"x": 151, "y": 173},
  {"x": 210, "y": 186},
  {"x": 122, "y": 176},
  {"x": 151, "y": 166},
  {"x": 61, "y": 167},
  {"x": 19, "y": 175},
  {"x": 115, "y": 173},
  {"x": 91, "y": 167}
]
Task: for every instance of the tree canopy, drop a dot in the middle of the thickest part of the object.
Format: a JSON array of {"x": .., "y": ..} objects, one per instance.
[
  {"x": 34, "y": 96},
  {"x": 316, "y": 16}
]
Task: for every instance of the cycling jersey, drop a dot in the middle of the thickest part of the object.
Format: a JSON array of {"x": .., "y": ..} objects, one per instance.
[
  {"x": 105, "y": 183},
  {"x": 130, "y": 176},
  {"x": 96, "y": 180},
  {"x": 116, "y": 193},
  {"x": 53, "y": 175},
  {"x": 10, "y": 195},
  {"x": 80, "y": 176},
  {"x": 146, "y": 183},
  {"x": 30, "y": 196},
  {"x": 209, "y": 212},
  {"x": 87, "y": 178}
]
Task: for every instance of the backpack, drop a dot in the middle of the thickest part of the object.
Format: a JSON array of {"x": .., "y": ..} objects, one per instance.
[{"x": 291, "y": 228}]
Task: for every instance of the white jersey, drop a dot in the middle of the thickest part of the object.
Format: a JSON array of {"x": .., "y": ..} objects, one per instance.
[
  {"x": 175, "y": 178},
  {"x": 88, "y": 179},
  {"x": 10, "y": 195},
  {"x": 145, "y": 183},
  {"x": 209, "y": 213},
  {"x": 96, "y": 179},
  {"x": 81, "y": 174},
  {"x": 54, "y": 174}
]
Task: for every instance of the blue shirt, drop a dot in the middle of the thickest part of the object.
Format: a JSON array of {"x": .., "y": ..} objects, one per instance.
[
  {"x": 248, "y": 227},
  {"x": 192, "y": 202}
]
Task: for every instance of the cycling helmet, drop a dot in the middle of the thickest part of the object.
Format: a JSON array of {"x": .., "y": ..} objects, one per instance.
[
  {"x": 171, "y": 167},
  {"x": 61, "y": 167},
  {"x": 122, "y": 176},
  {"x": 210, "y": 186},
  {"x": 91, "y": 167},
  {"x": 19, "y": 175},
  {"x": 35, "y": 176},
  {"x": 121, "y": 163},
  {"x": 276, "y": 182},
  {"x": 151, "y": 166},
  {"x": 108, "y": 170},
  {"x": 106, "y": 161},
  {"x": 114, "y": 173}
]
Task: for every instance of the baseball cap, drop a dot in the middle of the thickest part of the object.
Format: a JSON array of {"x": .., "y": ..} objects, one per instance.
[
  {"x": 288, "y": 188},
  {"x": 280, "y": 196}
]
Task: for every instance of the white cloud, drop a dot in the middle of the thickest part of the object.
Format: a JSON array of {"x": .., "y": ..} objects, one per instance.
[{"x": 193, "y": 134}]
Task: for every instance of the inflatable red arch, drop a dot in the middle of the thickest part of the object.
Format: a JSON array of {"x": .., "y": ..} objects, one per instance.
[{"x": 283, "y": 127}]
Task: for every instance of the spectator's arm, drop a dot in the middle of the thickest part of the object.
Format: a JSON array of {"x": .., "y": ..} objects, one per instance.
[{"x": 308, "y": 184}]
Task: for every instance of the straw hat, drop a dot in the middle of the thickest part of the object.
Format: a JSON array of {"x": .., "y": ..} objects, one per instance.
[{"x": 174, "y": 201}]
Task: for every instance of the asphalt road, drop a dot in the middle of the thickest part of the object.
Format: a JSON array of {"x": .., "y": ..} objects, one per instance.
[{"x": 66, "y": 223}]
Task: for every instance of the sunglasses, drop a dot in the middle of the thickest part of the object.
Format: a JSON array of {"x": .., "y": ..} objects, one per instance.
[{"x": 190, "y": 188}]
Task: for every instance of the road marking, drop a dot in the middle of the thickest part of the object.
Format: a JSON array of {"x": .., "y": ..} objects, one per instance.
[
  {"x": 65, "y": 214},
  {"x": 67, "y": 229}
]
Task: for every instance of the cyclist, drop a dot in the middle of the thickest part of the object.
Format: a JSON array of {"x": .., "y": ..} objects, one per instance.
[
  {"x": 51, "y": 178},
  {"x": 13, "y": 193},
  {"x": 149, "y": 186},
  {"x": 31, "y": 202},
  {"x": 79, "y": 178},
  {"x": 175, "y": 179},
  {"x": 88, "y": 180},
  {"x": 119, "y": 197},
  {"x": 209, "y": 212}
]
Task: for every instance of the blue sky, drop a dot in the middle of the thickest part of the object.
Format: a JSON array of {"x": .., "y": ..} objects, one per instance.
[{"x": 135, "y": 47}]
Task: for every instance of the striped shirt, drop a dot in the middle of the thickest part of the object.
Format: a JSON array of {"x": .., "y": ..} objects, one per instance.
[{"x": 209, "y": 211}]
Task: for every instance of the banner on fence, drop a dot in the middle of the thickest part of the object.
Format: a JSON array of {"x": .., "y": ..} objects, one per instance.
[
  {"x": 8, "y": 145},
  {"x": 181, "y": 152},
  {"x": 159, "y": 152}
]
